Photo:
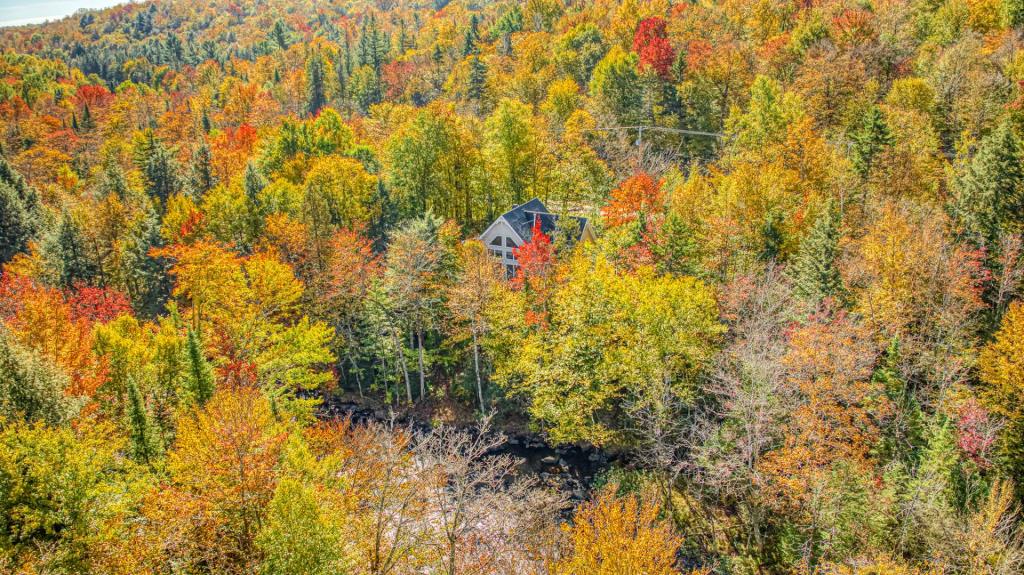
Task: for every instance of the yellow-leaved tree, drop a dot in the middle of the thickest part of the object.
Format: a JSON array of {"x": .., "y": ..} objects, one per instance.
[
  {"x": 1001, "y": 366},
  {"x": 614, "y": 535}
]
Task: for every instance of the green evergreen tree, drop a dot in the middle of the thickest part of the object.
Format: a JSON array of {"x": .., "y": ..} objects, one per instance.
[
  {"x": 477, "y": 81},
  {"x": 202, "y": 179},
  {"x": 343, "y": 69},
  {"x": 15, "y": 223},
  {"x": 472, "y": 38},
  {"x": 772, "y": 236},
  {"x": 253, "y": 184},
  {"x": 87, "y": 122},
  {"x": 145, "y": 447},
  {"x": 870, "y": 139},
  {"x": 149, "y": 284},
  {"x": 989, "y": 196},
  {"x": 19, "y": 212},
  {"x": 32, "y": 387},
  {"x": 279, "y": 34},
  {"x": 158, "y": 166},
  {"x": 199, "y": 382},
  {"x": 814, "y": 271},
  {"x": 903, "y": 435},
  {"x": 316, "y": 90},
  {"x": 677, "y": 252},
  {"x": 373, "y": 47},
  {"x": 113, "y": 181},
  {"x": 69, "y": 256},
  {"x": 1013, "y": 12}
]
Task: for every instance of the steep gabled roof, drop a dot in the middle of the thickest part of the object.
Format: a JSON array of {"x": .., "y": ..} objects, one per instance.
[{"x": 521, "y": 219}]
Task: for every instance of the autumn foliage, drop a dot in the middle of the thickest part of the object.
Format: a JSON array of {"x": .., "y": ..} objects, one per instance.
[{"x": 260, "y": 311}]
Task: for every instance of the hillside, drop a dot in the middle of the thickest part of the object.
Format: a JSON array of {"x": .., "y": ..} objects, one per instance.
[{"x": 764, "y": 255}]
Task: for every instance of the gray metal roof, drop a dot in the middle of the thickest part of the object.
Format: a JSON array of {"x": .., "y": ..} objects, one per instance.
[{"x": 521, "y": 219}]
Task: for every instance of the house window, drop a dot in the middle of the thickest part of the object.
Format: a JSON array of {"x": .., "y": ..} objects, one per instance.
[
  {"x": 509, "y": 243},
  {"x": 510, "y": 271},
  {"x": 496, "y": 241},
  {"x": 510, "y": 256}
]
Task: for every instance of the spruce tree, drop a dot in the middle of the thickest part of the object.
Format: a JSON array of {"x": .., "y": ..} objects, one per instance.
[
  {"x": 343, "y": 70},
  {"x": 113, "y": 181},
  {"x": 469, "y": 45},
  {"x": 149, "y": 284},
  {"x": 280, "y": 35},
  {"x": 253, "y": 184},
  {"x": 903, "y": 435},
  {"x": 20, "y": 212},
  {"x": 1013, "y": 12},
  {"x": 990, "y": 194},
  {"x": 15, "y": 223},
  {"x": 870, "y": 139},
  {"x": 67, "y": 249},
  {"x": 316, "y": 91},
  {"x": 207, "y": 125},
  {"x": 772, "y": 236},
  {"x": 159, "y": 167},
  {"x": 87, "y": 122},
  {"x": 31, "y": 386},
  {"x": 145, "y": 447},
  {"x": 202, "y": 179},
  {"x": 200, "y": 386},
  {"x": 814, "y": 271},
  {"x": 477, "y": 80}
]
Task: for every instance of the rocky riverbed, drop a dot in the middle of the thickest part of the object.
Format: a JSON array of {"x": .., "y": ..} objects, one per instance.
[{"x": 571, "y": 469}]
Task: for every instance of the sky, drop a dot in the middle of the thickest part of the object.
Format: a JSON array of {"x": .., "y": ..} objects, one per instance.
[{"x": 16, "y": 12}]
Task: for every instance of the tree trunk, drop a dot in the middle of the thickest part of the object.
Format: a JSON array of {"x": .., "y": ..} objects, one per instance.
[
  {"x": 355, "y": 372},
  {"x": 423, "y": 382},
  {"x": 405, "y": 370},
  {"x": 476, "y": 365},
  {"x": 352, "y": 360}
]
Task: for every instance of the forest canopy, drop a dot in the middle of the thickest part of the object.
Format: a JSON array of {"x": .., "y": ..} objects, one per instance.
[{"x": 777, "y": 284}]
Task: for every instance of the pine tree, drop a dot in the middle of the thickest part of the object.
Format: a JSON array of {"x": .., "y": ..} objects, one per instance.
[
  {"x": 253, "y": 183},
  {"x": 15, "y": 223},
  {"x": 469, "y": 45},
  {"x": 280, "y": 35},
  {"x": 202, "y": 179},
  {"x": 19, "y": 212},
  {"x": 316, "y": 91},
  {"x": 199, "y": 383},
  {"x": 1013, "y": 12},
  {"x": 68, "y": 250},
  {"x": 113, "y": 181},
  {"x": 149, "y": 285},
  {"x": 772, "y": 236},
  {"x": 373, "y": 47},
  {"x": 477, "y": 80},
  {"x": 903, "y": 435},
  {"x": 144, "y": 445},
  {"x": 87, "y": 122},
  {"x": 814, "y": 271},
  {"x": 990, "y": 195},
  {"x": 207, "y": 125},
  {"x": 403, "y": 37},
  {"x": 159, "y": 167},
  {"x": 869, "y": 140},
  {"x": 32, "y": 387},
  {"x": 343, "y": 69}
]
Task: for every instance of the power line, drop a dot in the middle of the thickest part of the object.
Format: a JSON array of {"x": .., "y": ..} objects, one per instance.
[{"x": 640, "y": 131}]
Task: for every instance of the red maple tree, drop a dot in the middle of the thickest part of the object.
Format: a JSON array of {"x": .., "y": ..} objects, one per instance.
[
  {"x": 651, "y": 43},
  {"x": 536, "y": 260}
]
